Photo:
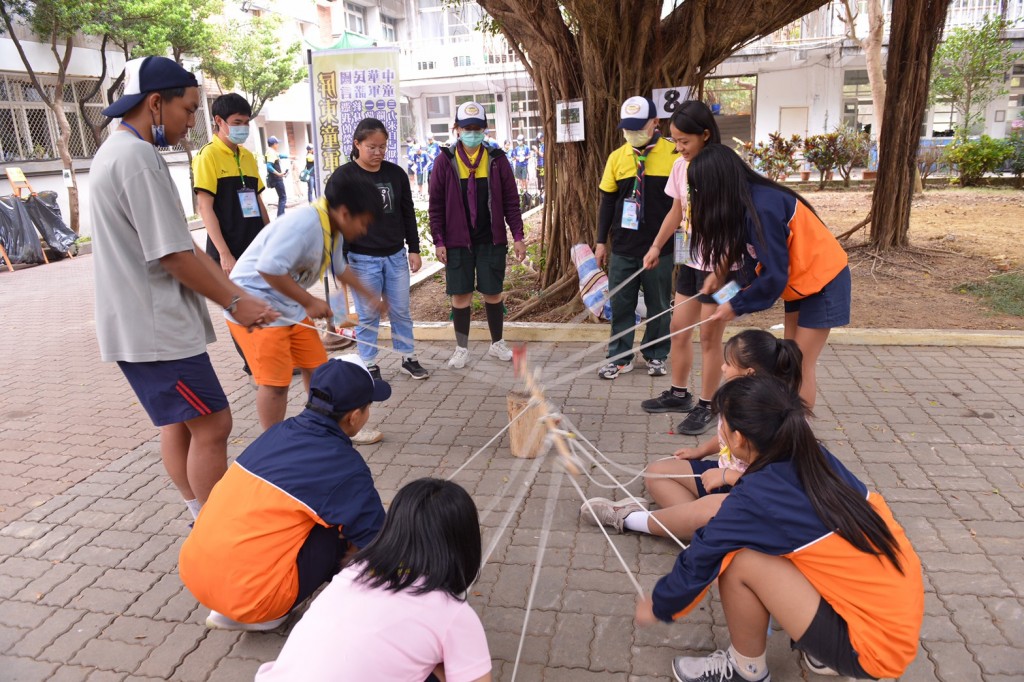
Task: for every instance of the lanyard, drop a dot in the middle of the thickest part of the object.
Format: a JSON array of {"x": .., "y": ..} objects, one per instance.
[
  {"x": 238, "y": 162},
  {"x": 325, "y": 225},
  {"x": 132, "y": 128}
]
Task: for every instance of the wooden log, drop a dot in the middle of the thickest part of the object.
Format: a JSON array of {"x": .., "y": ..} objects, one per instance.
[{"x": 526, "y": 436}]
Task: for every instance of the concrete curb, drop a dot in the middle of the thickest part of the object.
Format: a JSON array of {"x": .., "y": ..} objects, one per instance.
[{"x": 595, "y": 333}]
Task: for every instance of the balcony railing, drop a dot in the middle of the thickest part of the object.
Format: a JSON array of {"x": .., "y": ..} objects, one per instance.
[{"x": 463, "y": 55}]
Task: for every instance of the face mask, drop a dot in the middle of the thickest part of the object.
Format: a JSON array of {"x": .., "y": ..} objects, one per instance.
[
  {"x": 238, "y": 134},
  {"x": 637, "y": 138},
  {"x": 159, "y": 135},
  {"x": 471, "y": 138}
]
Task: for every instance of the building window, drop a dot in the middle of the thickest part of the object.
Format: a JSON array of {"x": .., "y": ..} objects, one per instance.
[
  {"x": 28, "y": 128},
  {"x": 462, "y": 60},
  {"x": 944, "y": 119},
  {"x": 524, "y": 112},
  {"x": 355, "y": 18},
  {"x": 858, "y": 109},
  {"x": 439, "y": 21},
  {"x": 1016, "y": 86},
  {"x": 389, "y": 29},
  {"x": 425, "y": 66},
  {"x": 439, "y": 107}
]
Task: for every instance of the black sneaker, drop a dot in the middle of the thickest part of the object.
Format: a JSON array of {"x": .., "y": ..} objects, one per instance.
[
  {"x": 413, "y": 368},
  {"x": 668, "y": 402},
  {"x": 697, "y": 422},
  {"x": 374, "y": 371}
]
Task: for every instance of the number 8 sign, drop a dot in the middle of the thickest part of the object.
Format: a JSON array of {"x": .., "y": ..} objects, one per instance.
[{"x": 667, "y": 100}]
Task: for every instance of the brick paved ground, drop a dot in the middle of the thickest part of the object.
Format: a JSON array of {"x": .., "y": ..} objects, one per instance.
[{"x": 91, "y": 526}]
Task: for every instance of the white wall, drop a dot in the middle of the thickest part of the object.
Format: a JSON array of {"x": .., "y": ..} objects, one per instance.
[{"x": 816, "y": 87}]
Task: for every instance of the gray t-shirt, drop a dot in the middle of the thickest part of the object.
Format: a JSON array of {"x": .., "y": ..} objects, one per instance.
[
  {"x": 143, "y": 314},
  {"x": 291, "y": 245}
]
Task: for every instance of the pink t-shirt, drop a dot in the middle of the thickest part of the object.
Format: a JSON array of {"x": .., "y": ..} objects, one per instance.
[
  {"x": 353, "y": 633},
  {"x": 676, "y": 188}
]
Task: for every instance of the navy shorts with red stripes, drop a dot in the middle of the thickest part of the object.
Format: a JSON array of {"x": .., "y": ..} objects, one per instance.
[{"x": 176, "y": 391}]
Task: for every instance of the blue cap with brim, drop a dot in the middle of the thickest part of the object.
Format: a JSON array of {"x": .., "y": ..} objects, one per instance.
[
  {"x": 344, "y": 384},
  {"x": 145, "y": 75},
  {"x": 636, "y": 112}
]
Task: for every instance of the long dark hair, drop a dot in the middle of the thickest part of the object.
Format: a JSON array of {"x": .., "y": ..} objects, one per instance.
[
  {"x": 760, "y": 351},
  {"x": 363, "y": 130},
  {"x": 693, "y": 117},
  {"x": 720, "y": 203},
  {"x": 774, "y": 420},
  {"x": 431, "y": 534}
]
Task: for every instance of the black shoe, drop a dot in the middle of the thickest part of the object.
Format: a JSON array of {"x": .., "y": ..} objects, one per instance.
[
  {"x": 413, "y": 368},
  {"x": 668, "y": 402},
  {"x": 697, "y": 422},
  {"x": 374, "y": 371}
]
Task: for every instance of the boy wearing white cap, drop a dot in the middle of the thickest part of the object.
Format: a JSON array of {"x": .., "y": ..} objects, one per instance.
[
  {"x": 151, "y": 278},
  {"x": 633, "y": 206},
  {"x": 275, "y": 173}
]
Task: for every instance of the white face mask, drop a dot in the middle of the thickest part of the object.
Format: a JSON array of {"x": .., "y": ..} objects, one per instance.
[{"x": 637, "y": 138}]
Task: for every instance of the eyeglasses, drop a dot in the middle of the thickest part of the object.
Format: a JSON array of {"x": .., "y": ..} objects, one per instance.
[{"x": 374, "y": 149}]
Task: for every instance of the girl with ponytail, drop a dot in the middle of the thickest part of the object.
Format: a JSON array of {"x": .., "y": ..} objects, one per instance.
[
  {"x": 686, "y": 503},
  {"x": 799, "y": 538}
]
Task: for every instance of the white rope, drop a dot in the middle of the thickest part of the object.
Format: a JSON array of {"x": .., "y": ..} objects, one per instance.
[
  {"x": 542, "y": 543},
  {"x": 586, "y": 503},
  {"x": 494, "y": 438},
  {"x": 507, "y": 519}
]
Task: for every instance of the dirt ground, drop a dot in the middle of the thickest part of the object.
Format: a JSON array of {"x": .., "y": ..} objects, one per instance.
[{"x": 957, "y": 236}]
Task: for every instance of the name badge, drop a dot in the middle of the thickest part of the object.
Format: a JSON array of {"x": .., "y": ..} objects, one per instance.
[
  {"x": 682, "y": 248},
  {"x": 247, "y": 200},
  {"x": 726, "y": 293},
  {"x": 630, "y": 214}
]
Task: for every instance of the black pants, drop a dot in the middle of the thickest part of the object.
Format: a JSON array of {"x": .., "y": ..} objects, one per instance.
[{"x": 318, "y": 561}]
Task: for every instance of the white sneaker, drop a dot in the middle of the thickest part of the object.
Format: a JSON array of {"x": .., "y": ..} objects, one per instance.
[
  {"x": 218, "y": 621},
  {"x": 367, "y": 437},
  {"x": 459, "y": 358},
  {"x": 499, "y": 350}
]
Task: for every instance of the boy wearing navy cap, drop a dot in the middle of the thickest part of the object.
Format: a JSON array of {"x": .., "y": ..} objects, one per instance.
[
  {"x": 151, "y": 278},
  {"x": 291, "y": 509}
]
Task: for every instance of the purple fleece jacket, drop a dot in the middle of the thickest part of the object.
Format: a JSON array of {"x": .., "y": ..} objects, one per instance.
[{"x": 449, "y": 224}]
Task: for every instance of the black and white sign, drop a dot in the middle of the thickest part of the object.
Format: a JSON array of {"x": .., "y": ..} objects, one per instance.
[{"x": 668, "y": 99}]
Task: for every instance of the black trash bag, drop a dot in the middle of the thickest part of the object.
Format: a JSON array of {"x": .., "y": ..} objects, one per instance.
[
  {"x": 17, "y": 232},
  {"x": 46, "y": 215}
]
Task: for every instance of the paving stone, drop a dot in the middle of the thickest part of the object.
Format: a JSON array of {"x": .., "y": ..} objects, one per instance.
[
  {"x": 17, "y": 669},
  {"x": 67, "y": 645},
  {"x": 109, "y": 655},
  {"x": 213, "y": 647},
  {"x": 165, "y": 658}
]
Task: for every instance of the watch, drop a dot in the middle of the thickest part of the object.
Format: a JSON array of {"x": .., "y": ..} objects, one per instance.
[{"x": 230, "y": 307}]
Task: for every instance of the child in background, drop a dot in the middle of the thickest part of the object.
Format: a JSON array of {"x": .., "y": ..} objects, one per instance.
[
  {"x": 398, "y": 612},
  {"x": 687, "y": 504},
  {"x": 802, "y": 539}
]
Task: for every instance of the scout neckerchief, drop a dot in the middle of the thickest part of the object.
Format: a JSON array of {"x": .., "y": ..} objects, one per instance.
[
  {"x": 325, "y": 224},
  {"x": 640, "y": 161},
  {"x": 471, "y": 187}
]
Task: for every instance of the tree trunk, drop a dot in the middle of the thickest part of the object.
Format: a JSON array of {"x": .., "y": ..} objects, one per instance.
[
  {"x": 872, "y": 45},
  {"x": 64, "y": 128},
  {"x": 915, "y": 33},
  {"x": 608, "y": 51}
]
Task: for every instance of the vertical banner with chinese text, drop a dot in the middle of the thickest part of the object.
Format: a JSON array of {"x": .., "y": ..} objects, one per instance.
[{"x": 348, "y": 86}]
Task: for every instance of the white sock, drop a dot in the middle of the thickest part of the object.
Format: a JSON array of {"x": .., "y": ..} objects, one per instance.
[
  {"x": 194, "y": 506},
  {"x": 637, "y": 522},
  {"x": 749, "y": 668}
]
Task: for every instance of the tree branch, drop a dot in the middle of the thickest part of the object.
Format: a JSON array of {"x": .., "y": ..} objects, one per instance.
[{"x": 21, "y": 53}]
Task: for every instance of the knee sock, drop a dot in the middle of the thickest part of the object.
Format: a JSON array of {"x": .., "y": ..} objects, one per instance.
[
  {"x": 749, "y": 668},
  {"x": 637, "y": 522},
  {"x": 193, "y": 506},
  {"x": 460, "y": 318},
  {"x": 495, "y": 319}
]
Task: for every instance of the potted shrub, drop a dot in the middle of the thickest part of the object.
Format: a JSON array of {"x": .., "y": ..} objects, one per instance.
[
  {"x": 853, "y": 151},
  {"x": 822, "y": 152},
  {"x": 974, "y": 158},
  {"x": 777, "y": 157}
]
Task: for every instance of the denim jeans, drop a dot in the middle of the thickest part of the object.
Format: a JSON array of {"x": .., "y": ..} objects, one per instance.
[
  {"x": 390, "y": 275},
  {"x": 277, "y": 184},
  {"x": 657, "y": 288}
]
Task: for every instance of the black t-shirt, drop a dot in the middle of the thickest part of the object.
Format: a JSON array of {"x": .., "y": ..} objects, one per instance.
[
  {"x": 481, "y": 232},
  {"x": 397, "y": 228}
]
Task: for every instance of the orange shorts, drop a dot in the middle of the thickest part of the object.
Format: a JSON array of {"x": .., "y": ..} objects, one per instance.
[{"x": 272, "y": 352}]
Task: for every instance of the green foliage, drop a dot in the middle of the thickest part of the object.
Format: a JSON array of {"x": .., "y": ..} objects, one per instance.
[
  {"x": 969, "y": 70},
  {"x": 1002, "y": 293},
  {"x": 252, "y": 58},
  {"x": 1016, "y": 157},
  {"x": 974, "y": 158},
  {"x": 423, "y": 229},
  {"x": 824, "y": 153},
  {"x": 777, "y": 157},
  {"x": 537, "y": 255},
  {"x": 854, "y": 148}
]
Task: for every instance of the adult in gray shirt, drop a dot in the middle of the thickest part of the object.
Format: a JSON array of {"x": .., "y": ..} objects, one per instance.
[{"x": 151, "y": 278}]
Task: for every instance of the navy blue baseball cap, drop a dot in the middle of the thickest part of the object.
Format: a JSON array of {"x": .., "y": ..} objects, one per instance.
[
  {"x": 636, "y": 112},
  {"x": 145, "y": 75},
  {"x": 343, "y": 384}
]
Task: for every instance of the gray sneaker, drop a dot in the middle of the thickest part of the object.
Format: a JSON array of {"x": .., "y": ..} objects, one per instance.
[
  {"x": 609, "y": 512},
  {"x": 714, "y": 668}
]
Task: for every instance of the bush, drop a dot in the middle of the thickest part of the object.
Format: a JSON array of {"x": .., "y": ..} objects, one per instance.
[
  {"x": 777, "y": 157},
  {"x": 1016, "y": 158},
  {"x": 974, "y": 158},
  {"x": 928, "y": 160},
  {"x": 824, "y": 152},
  {"x": 854, "y": 148}
]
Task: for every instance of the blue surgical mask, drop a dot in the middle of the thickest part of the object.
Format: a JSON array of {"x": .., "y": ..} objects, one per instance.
[
  {"x": 238, "y": 134},
  {"x": 471, "y": 138},
  {"x": 159, "y": 137}
]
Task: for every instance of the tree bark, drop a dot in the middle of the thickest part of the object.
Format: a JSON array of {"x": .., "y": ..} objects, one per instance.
[
  {"x": 913, "y": 36},
  {"x": 610, "y": 50},
  {"x": 872, "y": 45}
]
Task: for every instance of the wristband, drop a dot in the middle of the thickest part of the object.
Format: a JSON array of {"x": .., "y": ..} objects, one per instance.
[{"x": 230, "y": 307}]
